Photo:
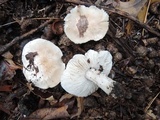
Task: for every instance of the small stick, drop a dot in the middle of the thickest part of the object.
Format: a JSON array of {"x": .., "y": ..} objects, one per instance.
[
  {"x": 8, "y": 24},
  {"x": 132, "y": 18},
  {"x": 150, "y": 103},
  {"x": 17, "y": 39}
]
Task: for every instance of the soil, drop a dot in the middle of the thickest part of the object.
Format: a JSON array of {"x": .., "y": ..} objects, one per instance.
[{"x": 136, "y": 64}]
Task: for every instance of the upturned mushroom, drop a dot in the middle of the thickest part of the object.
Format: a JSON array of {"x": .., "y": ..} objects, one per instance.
[
  {"x": 84, "y": 74},
  {"x": 42, "y": 64},
  {"x": 83, "y": 24}
]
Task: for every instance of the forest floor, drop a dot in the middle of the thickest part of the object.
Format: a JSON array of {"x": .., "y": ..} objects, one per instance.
[{"x": 134, "y": 43}]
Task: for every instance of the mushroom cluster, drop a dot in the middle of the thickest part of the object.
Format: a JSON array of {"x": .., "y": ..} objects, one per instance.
[
  {"x": 84, "y": 74},
  {"x": 83, "y": 24},
  {"x": 42, "y": 64}
]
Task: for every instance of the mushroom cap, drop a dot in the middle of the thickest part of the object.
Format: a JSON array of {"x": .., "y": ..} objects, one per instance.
[
  {"x": 83, "y": 24},
  {"x": 74, "y": 79},
  {"x": 42, "y": 64}
]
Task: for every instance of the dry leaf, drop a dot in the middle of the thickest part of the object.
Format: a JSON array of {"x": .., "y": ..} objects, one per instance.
[
  {"x": 69, "y": 100},
  {"x": 129, "y": 27},
  {"x": 80, "y": 106},
  {"x": 132, "y": 6},
  {"x": 151, "y": 115},
  {"x": 142, "y": 15},
  {"x": 7, "y": 55},
  {"x": 6, "y": 71},
  {"x": 51, "y": 100},
  {"x": 12, "y": 65},
  {"x": 49, "y": 113},
  {"x": 65, "y": 96},
  {"x": 6, "y": 88}
]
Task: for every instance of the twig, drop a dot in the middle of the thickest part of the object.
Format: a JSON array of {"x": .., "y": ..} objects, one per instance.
[
  {"x": 132, "y": 18},
  {"x": 150, "y": 103},
  {"x": 16, "y": 21},
  {"x": 119, "y": 12},
  {"x": 17, "y": 39},
  {"x": 8, "y": 24},
  {"x": 78, "y": 2}
]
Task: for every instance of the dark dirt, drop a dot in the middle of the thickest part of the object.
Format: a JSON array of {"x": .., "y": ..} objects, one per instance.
[{"x": 136, "y": 59}]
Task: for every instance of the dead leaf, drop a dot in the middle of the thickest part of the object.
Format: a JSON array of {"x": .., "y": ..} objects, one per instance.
[
  {"x": 132, "y": 6},
  {"x": 51, "y": 100},
  {"x": 65, "y": 96},
  {"x": 12, "y": 65},
  {"x": 39, "y": 92},
  {"x": 142, "y": 15},
  {"x": 151, "y": 115},
  {"x": 80, "y": 106},
  {"x": 49, "y": 113},
  {"x": 6, "y": 88},
  {"x": 96, "y": 94},
  {"x": 129, "y": 27},
  {"x": 74, "y": 109},
  {"x": 6, "y": 72},
  {"x": 7, "y": 55},
  {"x": 8, "y": 58}
]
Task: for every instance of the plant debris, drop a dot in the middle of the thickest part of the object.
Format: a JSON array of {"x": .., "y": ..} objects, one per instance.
[{"x": 133, "y": 39}]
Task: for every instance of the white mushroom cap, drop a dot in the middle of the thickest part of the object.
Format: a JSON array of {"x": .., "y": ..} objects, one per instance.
[
  {"x": 74, "y": 79},
  {"x": 42, "y": 63},
  {"x": 83, "y": 24}
]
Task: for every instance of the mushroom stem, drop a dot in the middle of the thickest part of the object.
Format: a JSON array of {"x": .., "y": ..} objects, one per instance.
[{"x": 100, "y": 79}]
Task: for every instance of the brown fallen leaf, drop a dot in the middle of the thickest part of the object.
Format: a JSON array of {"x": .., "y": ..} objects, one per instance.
[
  {"x": 7, "y": 55},
  {"x": 80, "y": 106},
  {"x": 51, "y": 100},
  {"x": 6, "y": 88},
  {"x": 135, "y": 8},
  {"x": 132, "y": 6},
  {"x": 65, "y": 96},
  {"x": 142, "y": 14},
  {"x": 7, "y": 67},
  {"x": 49, "y": 113},
  {"x": 6, "y": 72},
  {"x": 8, "y": 58},
  {"x": 74, "y": 109}
]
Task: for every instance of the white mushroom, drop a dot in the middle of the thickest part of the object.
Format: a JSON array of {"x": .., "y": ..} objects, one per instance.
[
  {"x": 100, "y": 79},
  {"x": 83, "y": 24},
  {"x": 85, "y": 73},
  {"x": 42, "y": 64}
]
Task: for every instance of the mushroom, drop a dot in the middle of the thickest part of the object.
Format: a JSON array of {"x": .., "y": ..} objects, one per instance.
[
  {"x": 83, "y": 24},
  {"x": 42, "y": 64},
  {"x": 85, "y": 73},
  {"x": 100, "y": 79}
]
